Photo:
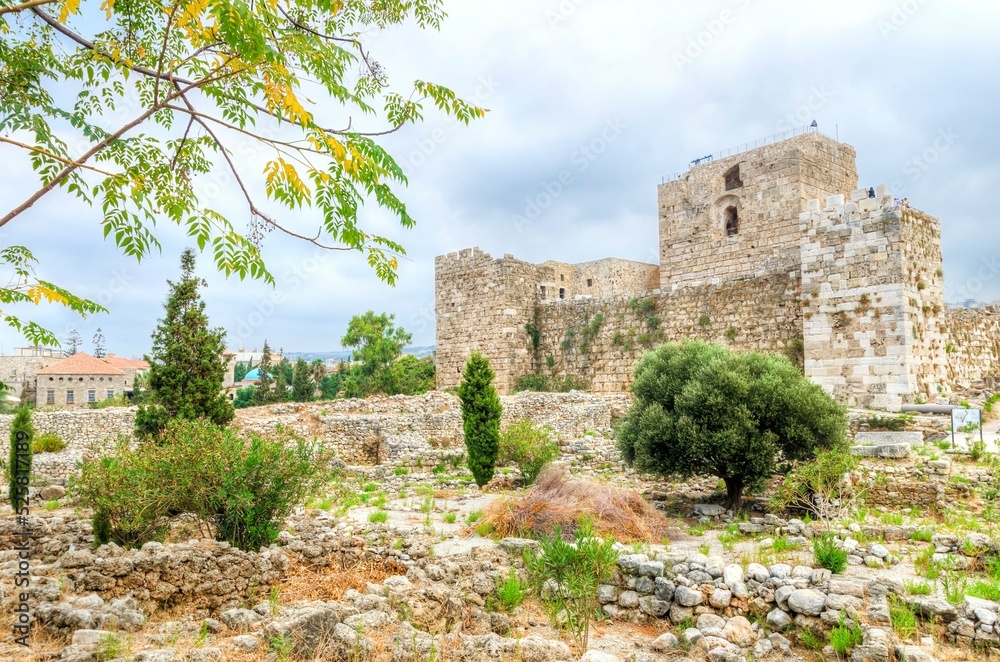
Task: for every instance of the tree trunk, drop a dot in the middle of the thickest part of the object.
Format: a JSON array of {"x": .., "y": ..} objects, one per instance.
[{"x": 734, "y": 493}]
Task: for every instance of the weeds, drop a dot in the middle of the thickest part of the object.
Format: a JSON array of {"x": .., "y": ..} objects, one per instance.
[
  {"x": 904, "y": 621},
  {"x": 510, "y": 591},
  {"x": 827, "y": 555}
]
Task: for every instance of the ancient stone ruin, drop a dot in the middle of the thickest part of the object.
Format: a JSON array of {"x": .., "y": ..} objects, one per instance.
[{"x": 776, "y": 248}]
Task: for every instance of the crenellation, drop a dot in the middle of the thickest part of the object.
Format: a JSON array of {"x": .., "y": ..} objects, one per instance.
[{"x": 774, "y": 249}]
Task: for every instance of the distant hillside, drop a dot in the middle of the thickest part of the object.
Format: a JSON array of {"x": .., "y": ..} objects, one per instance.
[{"x": 345, "y": 355}]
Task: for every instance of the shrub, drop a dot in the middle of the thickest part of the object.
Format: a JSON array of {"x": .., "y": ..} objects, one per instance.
[
  {"x": 510, "y": 591},
  {"x": 826, "y": 554},
  {"x": 119, "y": 400},
  {"x": 245, "y": 486},
  {"x": 567, "y": 576},
  {"x": 48, "y": 442},
  {"x": 532, "y": 382},
  {"x": 481, "y": 411},
  {"x": 700, "y": 409},
  {"x": 843, "y": 637},
  {"x": 22, "y": 434},
  {"x": 528, "y": 447},
  {"x": 904, "y": 621},
  {"x": 819, "y": 486}
]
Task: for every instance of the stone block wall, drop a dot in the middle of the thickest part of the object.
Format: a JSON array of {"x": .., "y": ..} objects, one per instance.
[
  {"x": 601, "y": 340},
  {"x": 774, "y": 184},
  {"x": 483, "y": 305},
  {"x": 392, "y": 431},
  {"x": 599, "y": 279},
  {"x": 972, "y": 345},
  {"x": 858, "y": 336},
  {"x": 86, "y": 432},
  {"x": 923, "y": 289}
]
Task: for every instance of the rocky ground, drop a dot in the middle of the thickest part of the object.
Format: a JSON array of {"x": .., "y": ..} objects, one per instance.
[{"x": 396, "y": 564}]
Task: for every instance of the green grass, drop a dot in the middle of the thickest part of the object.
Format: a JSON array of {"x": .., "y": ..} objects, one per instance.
[
  {"x": 844, "y": 638},
  {"x": 904, "y": 621},
  {"x": 892, "y": 518},
  {"x": 378, "y": 517},
  {"x": 918, "y": 587},
  {"x": 485, "y": 529},
  {"x": 369, "y": 487},
  {"x": 450, "y": 517},
  {"x": 826, "y": 555},
  {"x": 400, "y": 471},
  {"x": 698, "y": 530},
  {"x": 51, "y": 505},
  {"x": 985, "y": 589},
  {"x": 705, "y": 548},
  {"x": 510, "y": 591},
  {"x": 474, "y": 517},
  {"x": 922, "y": 535},
  {"x": 811, "y": 639}
]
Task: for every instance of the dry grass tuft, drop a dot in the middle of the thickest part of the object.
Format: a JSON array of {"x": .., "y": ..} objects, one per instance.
[
  {"x": 558, "y": 500},
  {"x": 312, "y": 582}
]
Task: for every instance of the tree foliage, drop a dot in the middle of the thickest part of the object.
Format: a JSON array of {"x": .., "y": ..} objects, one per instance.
[
  {"x": 376, "y": 342},
  {"x": 187, "y": 367},
  {"x": 700, "y": 409},
  {"x": 409, "y": 375},
  {"x": 22, "y": 435},
  {"x": 263, "y": 393},
  {"x": 303, "y": 386},
  {"x": 155, "y": 94},
  {"x": 527, "y": 446},
  {"x": 481, "y": 412}
]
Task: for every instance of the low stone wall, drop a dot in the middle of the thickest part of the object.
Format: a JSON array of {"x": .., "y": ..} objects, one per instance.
[
  {"x": 85, "y": 432},
  {"x": 198, "y": 574},
  {"x": 426, "y": 429},
  {"x": 391, "y": 431}
]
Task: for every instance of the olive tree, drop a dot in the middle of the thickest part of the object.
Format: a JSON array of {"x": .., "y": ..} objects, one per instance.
[{"x": 702, "y": 410}]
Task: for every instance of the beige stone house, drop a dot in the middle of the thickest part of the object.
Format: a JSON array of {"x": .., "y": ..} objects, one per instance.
[{"x": 80, "y": 380}]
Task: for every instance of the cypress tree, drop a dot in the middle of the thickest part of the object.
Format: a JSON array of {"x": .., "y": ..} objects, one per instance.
[
  {"x": 303, "y": 385},
  {"x": 264, "y": 392},
  {"x": 481, "y": 411},
  {"x": 20, "y": 427},
  {"x": 187, "y": 368}
]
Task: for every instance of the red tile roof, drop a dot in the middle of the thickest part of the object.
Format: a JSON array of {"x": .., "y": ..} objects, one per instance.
[
  {"x": 123, "y": 363},
  {"x": 80, "y": 363}
]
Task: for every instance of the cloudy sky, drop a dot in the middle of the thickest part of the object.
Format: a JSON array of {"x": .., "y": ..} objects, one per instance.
[{"x": 609, "y": 97}]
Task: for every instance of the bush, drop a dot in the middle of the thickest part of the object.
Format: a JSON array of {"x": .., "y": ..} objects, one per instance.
[
  {"x": 700, "y": 409},
  {"x": 826, "y": 555},
  {"x": 510, "y": 591},
  {"x": 843, "y": 637},
  {"x": 819, "y": 486},
  {"x": 49, "y": 442},
  {"x": 481, "y": 412},
  {"x": 119, "y": 400},
  {"x": 567, "y": 576},
  {"x": 22, "y": 434},
  {"x": 528, "y": 447},
  {"x": 245, "y": 486}
]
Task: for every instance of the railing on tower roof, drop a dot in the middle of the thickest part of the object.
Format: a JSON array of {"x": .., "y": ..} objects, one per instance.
[{"x": 745, "y": 147}]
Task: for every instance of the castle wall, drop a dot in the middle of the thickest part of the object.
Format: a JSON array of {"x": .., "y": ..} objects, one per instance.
[
  {"x": 857, "y": 334},
  {"x": 601, "y": 340},
  {"x": 602, "y": 279},
  {"x": 972, "y": 345},
  {"x": 483, "y": 305},
  {"x": 775, "y": 183},
  {"x": 923, "y": 290}
]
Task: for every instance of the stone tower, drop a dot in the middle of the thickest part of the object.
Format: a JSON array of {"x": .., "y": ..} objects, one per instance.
[{"x": 738, "y": 217}]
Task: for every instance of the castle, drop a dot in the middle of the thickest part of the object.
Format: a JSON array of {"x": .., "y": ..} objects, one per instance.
[{"x": 776, "y": 249}]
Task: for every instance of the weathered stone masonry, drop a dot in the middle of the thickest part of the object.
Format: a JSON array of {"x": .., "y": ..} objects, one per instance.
[{"x": 773, "y": 249}]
